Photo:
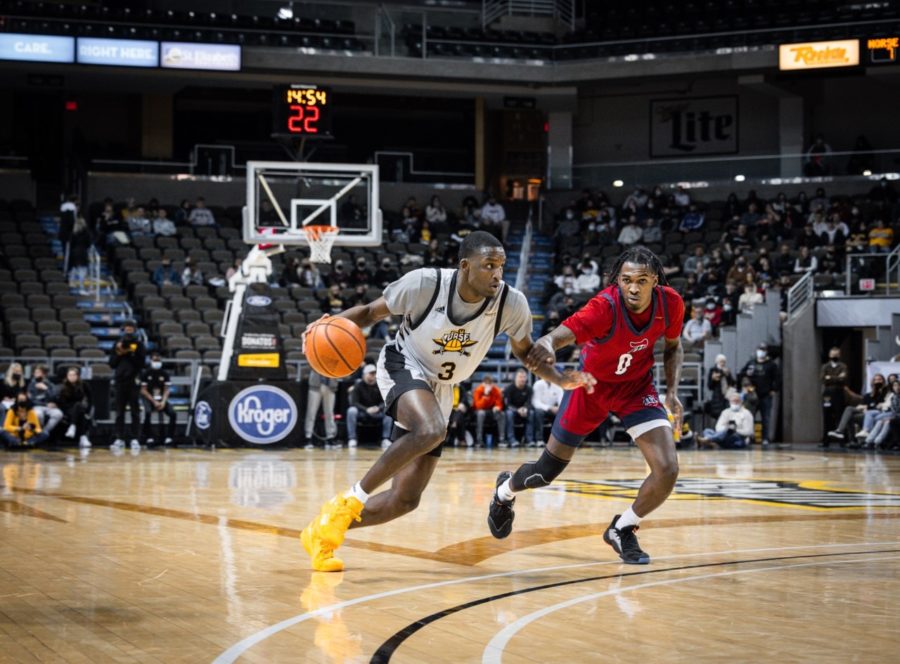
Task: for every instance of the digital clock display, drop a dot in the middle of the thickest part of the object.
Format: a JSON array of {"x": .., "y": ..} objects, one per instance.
[{"x": 302, "y": 110}]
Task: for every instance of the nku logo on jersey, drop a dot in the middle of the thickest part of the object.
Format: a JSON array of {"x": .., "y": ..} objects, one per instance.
[
  {"x": 262, "y": 414},
  {"x": 454, "y": 342}
]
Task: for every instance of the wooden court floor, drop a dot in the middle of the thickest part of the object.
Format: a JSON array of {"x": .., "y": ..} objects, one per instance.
[{"x": 193, "y": 556}]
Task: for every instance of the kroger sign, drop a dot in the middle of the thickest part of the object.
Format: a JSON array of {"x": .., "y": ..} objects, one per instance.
[{"x": 262, "y": 414}]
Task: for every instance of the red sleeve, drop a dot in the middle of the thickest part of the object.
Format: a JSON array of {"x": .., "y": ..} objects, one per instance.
[
  {"x": 593, "y": 320},
  {"x": 675, "y": 307}
]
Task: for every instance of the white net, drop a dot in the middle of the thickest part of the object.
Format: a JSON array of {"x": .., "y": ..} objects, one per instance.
[{"x": 320, "y": 240}]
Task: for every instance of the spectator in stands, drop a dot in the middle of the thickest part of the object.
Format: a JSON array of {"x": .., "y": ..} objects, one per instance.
[
  {"x": 493, "y": 218},
  {"x": 818, "y": 157},
  {"x": 883, "y": 421},
  {"x": 588, "y": 281},
  {"x": 731, "y": 303},
  {"x": 339, "y": 276},
  {"x": 435, "y": 212},
  {"x": 138, "y": 223},
  {"x": 763, "y": 268},
  {"x": 631, "y": 232},
  {"x": 233, "y": 269},
  {"x": 366, "y": 405},
  {"x": 692, "y": 221},
  {"x": 79, "y": 254},
  {"x": 750, "y": 297},
  {"x": 156, "y": 388},
  {"x": 42, "y": 393},
  {"x": 488, "y": 401},
  {"x": 652, "y": 231},
  {"x": 459, "y": 416},
  {"x": 310, "y": 277},
  {"x": 434, "y": 256},
  {"x": 517, "y": 400},
  {"x": 751, "y": 217},
  {"x": 719, "y": 381},
  {"x": 805, "y": 262},
  {"x": 361, "y": 275},
  {"x": 739, "y": 271},
  {"x": 566, "y": 281},
  {"x": 162, "y": 225},
  {"x": 696, "y": 262},
  {"x": 321, "y": 392},
  {"x": 13, "y": 384},
  {"x": 290, "y": 275},
  {"x": 75, "y": 401},
  {"x": 762, "y": 372},
  {"x": 127, "y": 359},
  {"x": 833, "y": 376},
  {"x": 201, "y": 215},
  {"x": 636, "y": 200},
  {"x": 386, "y": 273},
  {"x": 425, "y": 233},
  {"x": 333, "y": 302},
  {"x": 165, "y": 274},
  {"x": 112, "y": 228},
  {"x": 835, "y": 231},
  {"x": 713, "y": 313},
  {"x": 738, "y": 240},
  {"x": 546, "y": 399},
  {"x": 190, "y": 275},
  {"x": 734, "y": 428},
  {"x": 696, "y": 331},
  {"x": 870, "y": 402},
  {"x": 881, "y": 237},
  {"x": 182, "y": 215},
  {"x": 681, "y": 198},
  {"x": 784, "y": 260},
  {"x": 831, "y": 262},
  {"x": 21, "y": 425}
]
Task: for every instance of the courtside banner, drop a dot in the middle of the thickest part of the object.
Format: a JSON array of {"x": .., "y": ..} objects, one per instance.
[
  {"x": 37, "y": 48},
  {"x": 818, "y": 55}
]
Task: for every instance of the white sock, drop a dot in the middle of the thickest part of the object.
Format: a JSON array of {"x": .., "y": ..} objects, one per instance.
[
  {"x": 628, "y": 518},
  {"x": 505, "y": 492},
  {"x": 357, "y": 492}
]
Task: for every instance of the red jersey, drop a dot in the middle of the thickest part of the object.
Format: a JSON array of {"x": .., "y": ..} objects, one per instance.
[{"x": 618, "y": 344}]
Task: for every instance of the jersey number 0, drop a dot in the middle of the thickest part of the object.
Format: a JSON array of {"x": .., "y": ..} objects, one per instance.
[{"x": 624, "y": 363}]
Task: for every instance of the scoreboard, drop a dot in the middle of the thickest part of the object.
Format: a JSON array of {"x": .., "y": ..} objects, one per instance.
[
  {"x": 882, "y": 50},
  {"x": 302, "y": 111}
]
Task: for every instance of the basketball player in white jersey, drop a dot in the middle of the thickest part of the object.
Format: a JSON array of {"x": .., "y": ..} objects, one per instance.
[{"x": 450, "y": 319}]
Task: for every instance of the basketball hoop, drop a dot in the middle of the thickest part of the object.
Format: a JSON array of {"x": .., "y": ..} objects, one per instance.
[{"x": 320, "y": 240}]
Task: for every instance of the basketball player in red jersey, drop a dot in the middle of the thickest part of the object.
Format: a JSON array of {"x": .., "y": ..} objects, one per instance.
[{"x": 618, "y": 328}]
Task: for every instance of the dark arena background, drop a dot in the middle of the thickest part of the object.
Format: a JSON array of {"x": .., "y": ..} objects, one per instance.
[{"x": 165, "y": 167}]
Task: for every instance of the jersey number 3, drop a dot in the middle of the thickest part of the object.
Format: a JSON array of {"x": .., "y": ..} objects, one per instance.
[
  {"x": 448, "y": 369},
  {"x": 624, "y": 363}
]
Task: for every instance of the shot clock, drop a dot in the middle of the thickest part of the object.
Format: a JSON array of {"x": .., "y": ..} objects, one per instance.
[{"x": 302, "y": 111}]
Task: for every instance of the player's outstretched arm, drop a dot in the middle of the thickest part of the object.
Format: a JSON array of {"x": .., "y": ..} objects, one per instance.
[
  {"x": 568, "y": 380},
  {"x": 673, "y": 357},
  {"x": 543, "y": 351},
  {"x": 366, "y": 315}
]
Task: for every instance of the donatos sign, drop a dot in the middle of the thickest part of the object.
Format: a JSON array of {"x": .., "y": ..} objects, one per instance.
[
  {"x": 262, "y": 414},
  {"x": 819, "y": 55}
]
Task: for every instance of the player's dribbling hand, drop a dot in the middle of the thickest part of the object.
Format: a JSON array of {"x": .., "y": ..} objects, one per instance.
[
  {"x": 306, "y": 331},
  {"x": 572, "y": 380},
  {"x": 673, "y": 404},
  {"x": 541, "y": 354}
]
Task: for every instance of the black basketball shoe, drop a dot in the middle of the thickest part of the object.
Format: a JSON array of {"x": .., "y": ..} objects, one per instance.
[
  {"x": 625, "y": 543},
  {"x": 500, "y": 513}
]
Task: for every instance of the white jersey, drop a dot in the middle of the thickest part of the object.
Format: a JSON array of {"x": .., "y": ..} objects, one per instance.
[{"x": 442, "y": 339}]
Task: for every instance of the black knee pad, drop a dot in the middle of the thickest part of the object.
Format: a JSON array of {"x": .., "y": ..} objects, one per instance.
[{"x": 535, "y": 474}]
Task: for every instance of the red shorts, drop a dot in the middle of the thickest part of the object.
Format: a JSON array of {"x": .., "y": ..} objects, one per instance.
[{"x": 635, "y": 403}]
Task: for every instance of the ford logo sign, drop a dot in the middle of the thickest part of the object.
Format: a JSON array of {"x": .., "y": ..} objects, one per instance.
[
  {"x": 262, "y": 414},
  {"x": 203, "y": 415},
  {"x": 259, "y": 301}
]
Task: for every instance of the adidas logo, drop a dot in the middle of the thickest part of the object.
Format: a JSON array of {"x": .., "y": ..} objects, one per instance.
[{"x": 440, "y": 310}]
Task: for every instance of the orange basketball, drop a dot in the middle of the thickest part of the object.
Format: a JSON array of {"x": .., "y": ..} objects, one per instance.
[{"x": 335, "y": 347}]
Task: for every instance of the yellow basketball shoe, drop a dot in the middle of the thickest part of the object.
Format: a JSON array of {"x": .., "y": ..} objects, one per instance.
[{"x": 326, "y": 532}]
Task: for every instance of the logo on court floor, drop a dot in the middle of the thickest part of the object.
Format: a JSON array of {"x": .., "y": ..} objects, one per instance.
[
  {"x": 800, "y": 494},
  {"x": 262, "y": 414},
  {"x": 203, "y": 415},
  {"x": 454, "y": 342}
]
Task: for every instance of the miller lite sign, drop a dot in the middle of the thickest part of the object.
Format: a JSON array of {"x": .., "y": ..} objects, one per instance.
[{"x": 691, "y": 126}]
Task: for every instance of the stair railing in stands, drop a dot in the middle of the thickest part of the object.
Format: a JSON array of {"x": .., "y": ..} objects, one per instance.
[{"x": 800, "y": 294}]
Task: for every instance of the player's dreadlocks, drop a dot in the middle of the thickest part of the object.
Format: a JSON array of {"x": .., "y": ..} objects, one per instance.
[{"x": 639, "y": 256}]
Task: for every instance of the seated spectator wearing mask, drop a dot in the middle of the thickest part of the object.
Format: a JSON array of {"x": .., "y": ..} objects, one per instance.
[
  {"x": 366, "y": 405},
  {"x": 697, "y": 330},
  {"x": 587, "y": 281},
  {"x": 870, "y": 403},
  {"x": 166, "y": 275},
  {"x": 386, "y": 274},
  {"x": 21, "y": 425},
  {"x": 42, "y": 394},
  {"x": 719, "y": 383},
  {"x": 734, "y": 428}
]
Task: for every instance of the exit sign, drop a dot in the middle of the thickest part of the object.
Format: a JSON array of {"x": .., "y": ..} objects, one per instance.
[{"x": 866, "y": 284}]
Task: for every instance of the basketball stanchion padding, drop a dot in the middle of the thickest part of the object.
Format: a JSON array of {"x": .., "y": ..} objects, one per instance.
[{"x": 335, "y": 347}]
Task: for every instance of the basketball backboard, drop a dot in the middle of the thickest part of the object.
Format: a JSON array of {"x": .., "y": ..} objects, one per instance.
[{"x": 283, "y": 197}]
